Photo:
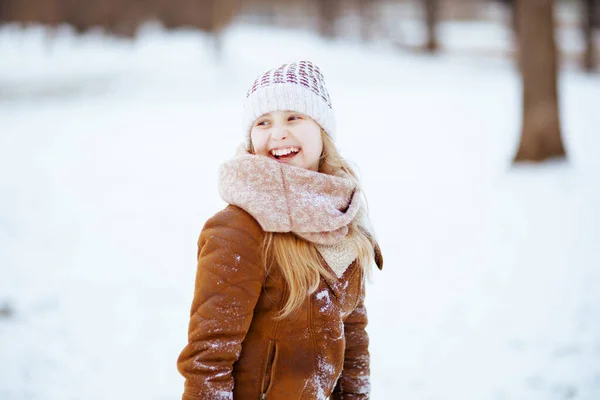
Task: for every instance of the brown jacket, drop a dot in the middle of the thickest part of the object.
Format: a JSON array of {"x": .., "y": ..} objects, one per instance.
[{"x": 237, "y": 350}]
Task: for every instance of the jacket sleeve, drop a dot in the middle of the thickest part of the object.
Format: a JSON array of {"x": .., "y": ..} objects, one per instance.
[
  {"x": 229, "y": 280},
  {"x": 354, "y": 383}
]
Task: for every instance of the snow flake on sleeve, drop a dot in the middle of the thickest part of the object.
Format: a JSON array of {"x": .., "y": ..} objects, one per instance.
[
  {"x": 224, "y": 395},
  {"x": 363, "y": 385}
]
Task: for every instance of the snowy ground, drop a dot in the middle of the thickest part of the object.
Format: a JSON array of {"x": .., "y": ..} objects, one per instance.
[{"x": 108, "y": 157}]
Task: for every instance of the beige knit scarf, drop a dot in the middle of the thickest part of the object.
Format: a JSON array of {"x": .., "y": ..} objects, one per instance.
[{"x": 283, "y": 198}]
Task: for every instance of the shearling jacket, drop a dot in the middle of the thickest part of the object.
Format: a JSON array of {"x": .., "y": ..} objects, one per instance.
[{"x": 238, "y": 350}]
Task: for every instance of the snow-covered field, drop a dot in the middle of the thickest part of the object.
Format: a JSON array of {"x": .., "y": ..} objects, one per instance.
[{"x": 109, "y": 152}]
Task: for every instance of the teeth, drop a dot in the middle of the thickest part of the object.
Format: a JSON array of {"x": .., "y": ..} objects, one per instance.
[{"x": 284, "y": 152}]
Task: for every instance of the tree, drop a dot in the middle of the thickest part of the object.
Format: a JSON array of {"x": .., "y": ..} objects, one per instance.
[
  {"x": 432, "y": 8},
  {"x": 327, "y": 13},
  {"x": 540, "y": 132},
  {"x": 590, "y": 12},
  {"x": 511, "y": 5},
  {"x": 365, "y": 12}
]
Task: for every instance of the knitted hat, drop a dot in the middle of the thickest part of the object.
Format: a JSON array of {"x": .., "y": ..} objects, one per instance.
[{"x": 298, "y": 86}]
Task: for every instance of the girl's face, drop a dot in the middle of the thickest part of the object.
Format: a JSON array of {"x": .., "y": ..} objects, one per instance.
[{"x": 289, "y": 137}]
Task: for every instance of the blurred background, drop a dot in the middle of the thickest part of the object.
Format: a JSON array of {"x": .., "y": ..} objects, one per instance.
[{"x": 475, "y": 127}]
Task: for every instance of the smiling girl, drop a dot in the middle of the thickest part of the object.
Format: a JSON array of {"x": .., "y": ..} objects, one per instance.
[{"x": 278, "y": 310}]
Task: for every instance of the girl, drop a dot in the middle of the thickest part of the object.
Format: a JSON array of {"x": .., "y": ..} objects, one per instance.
[{"x": 278, "y": 311}]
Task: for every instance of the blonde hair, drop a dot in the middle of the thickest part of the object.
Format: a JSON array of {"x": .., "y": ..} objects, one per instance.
[{"x": 298, "y": 259}]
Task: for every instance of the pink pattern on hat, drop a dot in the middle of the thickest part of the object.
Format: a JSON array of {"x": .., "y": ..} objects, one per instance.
[{"x": 304, "y": 73}]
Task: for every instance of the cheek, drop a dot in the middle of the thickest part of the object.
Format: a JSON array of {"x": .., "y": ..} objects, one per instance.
[
  {"x": 320, "y": 145},
  {"x": 316, "y": 144},
  {"x": 258, "y": 142}
]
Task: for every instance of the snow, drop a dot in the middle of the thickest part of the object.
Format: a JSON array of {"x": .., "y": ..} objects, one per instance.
[
  {"x": 109, "y": 152},
  {"x": 323, "y": 297},
  {"x": 323, "y": 294},
  {"x": 324, "y": 374}
]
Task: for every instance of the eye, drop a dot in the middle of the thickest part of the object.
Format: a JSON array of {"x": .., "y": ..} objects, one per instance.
[
  {"x": 264, "y": 122},
  {"x": 294, "y": 117}
]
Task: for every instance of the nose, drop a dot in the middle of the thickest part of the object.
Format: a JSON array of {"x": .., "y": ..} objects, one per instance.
[{"x": 279, "y": 132}]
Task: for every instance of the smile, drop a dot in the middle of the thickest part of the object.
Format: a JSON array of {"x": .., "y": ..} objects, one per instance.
[{"x": 286, "y": 152}]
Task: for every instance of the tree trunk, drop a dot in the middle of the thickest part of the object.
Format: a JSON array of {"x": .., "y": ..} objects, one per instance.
[
  {"x": 327, "y": 13},
  {"x": 540, "y": 132},
  {"x": 4, "y": 10},
  {"x": 432, "y": 9},
  {"x": 514, "y": 27},
  {"x": 366, "y": 10},
  {"x": 589, "y": 12}
]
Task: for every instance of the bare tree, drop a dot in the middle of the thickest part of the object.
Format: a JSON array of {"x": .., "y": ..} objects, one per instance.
[
  {"x": 590, "y": 14},
  {"x": 222, "y": 13},
  {"x": 512, "y": 10},
  {"x": 327, "y": 13},
  {"x": 367, "y": 13},
  {"x": 540, "y": 132},
  {"x": 432, "y": 12},
  {"x": 4, "y": 10}
]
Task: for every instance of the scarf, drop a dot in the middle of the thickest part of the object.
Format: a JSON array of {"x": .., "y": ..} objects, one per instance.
[{"x": 282, "y": 198}]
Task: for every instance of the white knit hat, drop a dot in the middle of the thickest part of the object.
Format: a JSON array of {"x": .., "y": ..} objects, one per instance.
[{"x": 298, "y": 86}]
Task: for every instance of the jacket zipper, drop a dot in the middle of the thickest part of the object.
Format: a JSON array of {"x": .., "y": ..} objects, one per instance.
[{"x": 266, "y": 383}]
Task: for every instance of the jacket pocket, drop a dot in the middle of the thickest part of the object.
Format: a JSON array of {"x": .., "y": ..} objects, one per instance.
[{"x": 268, "y": 372}]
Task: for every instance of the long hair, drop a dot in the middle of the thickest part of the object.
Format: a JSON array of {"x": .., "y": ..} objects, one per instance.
[{"x": 299, "y": 259}]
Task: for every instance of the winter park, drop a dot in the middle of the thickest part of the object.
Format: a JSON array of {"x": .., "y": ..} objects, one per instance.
[{"x": 474, "y": 127}]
